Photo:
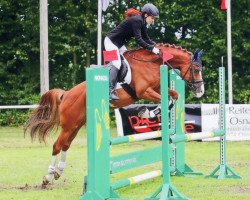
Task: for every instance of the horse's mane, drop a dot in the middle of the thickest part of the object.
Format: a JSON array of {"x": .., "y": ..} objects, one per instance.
[
  {"x": 172, "y": 46},
  {"x": 141, "y": 52},
  {"x": 175, "y": 47}
]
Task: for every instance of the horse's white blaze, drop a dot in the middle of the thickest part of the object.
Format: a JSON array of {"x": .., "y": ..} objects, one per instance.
[{"x": 200, "y": 90}]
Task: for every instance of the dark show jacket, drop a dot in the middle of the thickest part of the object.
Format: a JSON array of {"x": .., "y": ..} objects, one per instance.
[{"x": 134, "y": 26}]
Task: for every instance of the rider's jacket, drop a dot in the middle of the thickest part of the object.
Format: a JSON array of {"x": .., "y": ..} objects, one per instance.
[{"x": 134, "y": 26}]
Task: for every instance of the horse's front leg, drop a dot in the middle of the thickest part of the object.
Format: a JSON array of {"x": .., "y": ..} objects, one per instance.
[
  {"x": 152, "y": 95},
  {"x": 173, "y": 94}
]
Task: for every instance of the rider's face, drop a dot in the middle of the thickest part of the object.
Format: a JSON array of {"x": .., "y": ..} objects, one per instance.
[{"x": 149, "y": 19}]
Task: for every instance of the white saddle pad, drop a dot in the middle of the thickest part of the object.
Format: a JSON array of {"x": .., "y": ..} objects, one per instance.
[{"x": 128, "y": 76}]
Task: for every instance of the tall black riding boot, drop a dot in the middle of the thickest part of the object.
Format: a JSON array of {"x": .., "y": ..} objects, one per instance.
[{"x": 113, "y": 73}]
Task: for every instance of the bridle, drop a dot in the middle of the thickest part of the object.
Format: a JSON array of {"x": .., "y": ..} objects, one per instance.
[{"x": 191, "y": 83}]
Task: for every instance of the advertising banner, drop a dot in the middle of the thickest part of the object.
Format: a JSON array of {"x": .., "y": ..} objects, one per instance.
[
  {"x": 237, "y": 120},
  {"x": 129, "y": 122},
  {"x": 198, "y": 118}
]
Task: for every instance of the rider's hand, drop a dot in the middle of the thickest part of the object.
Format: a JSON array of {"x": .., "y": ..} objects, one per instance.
[{"x": 156, "y": 50}]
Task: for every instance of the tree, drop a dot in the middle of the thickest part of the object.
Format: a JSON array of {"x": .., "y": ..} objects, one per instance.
[
  {"x": 19, "y": 47},
  {"x": 72, "y": 42}
]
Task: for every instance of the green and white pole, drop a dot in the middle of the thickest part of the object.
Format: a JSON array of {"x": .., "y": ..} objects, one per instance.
[
  {"x": 166, "y": 190},
  {"x": 136, "y": 179},
  {"x": 177, "y": 122},
  {"x": 137, "y": 137},
  {"x": 196, "y": 136},
  {"x": 97, "y": 181}
]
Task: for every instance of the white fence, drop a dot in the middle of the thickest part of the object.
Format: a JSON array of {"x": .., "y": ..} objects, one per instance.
[{"x": 18, "y": 107}]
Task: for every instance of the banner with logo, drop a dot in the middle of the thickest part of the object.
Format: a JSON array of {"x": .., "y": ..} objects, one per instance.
[
  {"x": 198, "y": 118},
  {"x": 128, "y": 121},
  {"x": 237, "y": 120}
]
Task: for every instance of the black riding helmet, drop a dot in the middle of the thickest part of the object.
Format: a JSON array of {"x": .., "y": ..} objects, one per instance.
[{"x": 150, "y": 9}]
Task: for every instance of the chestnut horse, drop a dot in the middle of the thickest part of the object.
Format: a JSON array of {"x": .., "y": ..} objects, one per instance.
[{"x": 68, "y": 108}]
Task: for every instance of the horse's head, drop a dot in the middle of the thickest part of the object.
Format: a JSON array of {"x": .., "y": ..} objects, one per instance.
[{"x": 190, "y": 66}]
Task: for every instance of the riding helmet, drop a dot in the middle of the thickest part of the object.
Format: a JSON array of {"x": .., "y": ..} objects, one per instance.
[{"x": 150, "y": 9}]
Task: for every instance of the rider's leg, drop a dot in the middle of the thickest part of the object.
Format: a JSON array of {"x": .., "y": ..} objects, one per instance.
[
  {"x": 114, "y": 69},
  {"x": 113, "y": 76},
  {"x": 123, "y": 49}
]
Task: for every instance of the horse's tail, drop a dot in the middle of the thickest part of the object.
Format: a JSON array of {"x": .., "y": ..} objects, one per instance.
[{"x": 46, "y": 116}]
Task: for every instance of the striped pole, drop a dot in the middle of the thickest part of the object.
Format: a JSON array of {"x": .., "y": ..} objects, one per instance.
[
  {"x": 136, "y": 179},
  {"x": 196, "y": 136},
  {"x": 137, "y": 137}
]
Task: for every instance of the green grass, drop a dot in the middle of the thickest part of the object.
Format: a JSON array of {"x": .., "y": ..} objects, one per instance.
[{"x": 23, "y": 164}]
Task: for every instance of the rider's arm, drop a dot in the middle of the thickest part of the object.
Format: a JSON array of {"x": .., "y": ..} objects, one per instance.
[
  {"x": 146, "y": 37},
  {"x": 137, "y": 29}
]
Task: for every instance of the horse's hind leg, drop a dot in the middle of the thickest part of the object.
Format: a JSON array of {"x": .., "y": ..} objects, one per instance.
[
  {"x": 65, "y": 147},
  {"x": 62, "y": 144},
  {"x": 56, "y": 150}
]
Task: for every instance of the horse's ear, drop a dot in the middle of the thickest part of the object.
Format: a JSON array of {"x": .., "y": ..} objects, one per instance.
[{"x": 198, "y": 53}]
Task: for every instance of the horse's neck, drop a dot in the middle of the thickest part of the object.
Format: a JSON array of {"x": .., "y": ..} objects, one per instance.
[
  {"x": 177, "y": 64},
  {"x": 181, "y": 57},
  {"x": 180, "y": 60},
  {"x": 140, "y": 55}
]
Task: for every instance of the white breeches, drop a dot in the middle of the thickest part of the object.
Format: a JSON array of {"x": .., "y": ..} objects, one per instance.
[{"x": 109, "y": 46}]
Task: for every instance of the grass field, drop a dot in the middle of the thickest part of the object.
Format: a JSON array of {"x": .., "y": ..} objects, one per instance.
[{"x": 23, "y": 164}]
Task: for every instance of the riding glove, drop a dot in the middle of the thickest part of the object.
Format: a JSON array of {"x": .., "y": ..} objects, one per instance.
[{"x": 156, "y": 50}]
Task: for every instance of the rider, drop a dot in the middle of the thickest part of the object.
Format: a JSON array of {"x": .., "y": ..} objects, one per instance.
[{"x": 133, "y": 26}]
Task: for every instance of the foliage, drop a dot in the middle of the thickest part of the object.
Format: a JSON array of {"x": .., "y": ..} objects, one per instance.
[
  {"x": 13, "y": 117},
  {"x": 72, "y": 42},
  {"x": 17, "y": 117}
]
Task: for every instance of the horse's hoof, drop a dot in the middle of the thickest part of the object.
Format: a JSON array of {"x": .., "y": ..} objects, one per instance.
[
  {"x": 56, "y": 175},
  {"x": 45, "y": 181}
]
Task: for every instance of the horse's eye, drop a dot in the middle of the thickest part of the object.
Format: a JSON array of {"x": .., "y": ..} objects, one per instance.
[{"x": 197, "y": 69}]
